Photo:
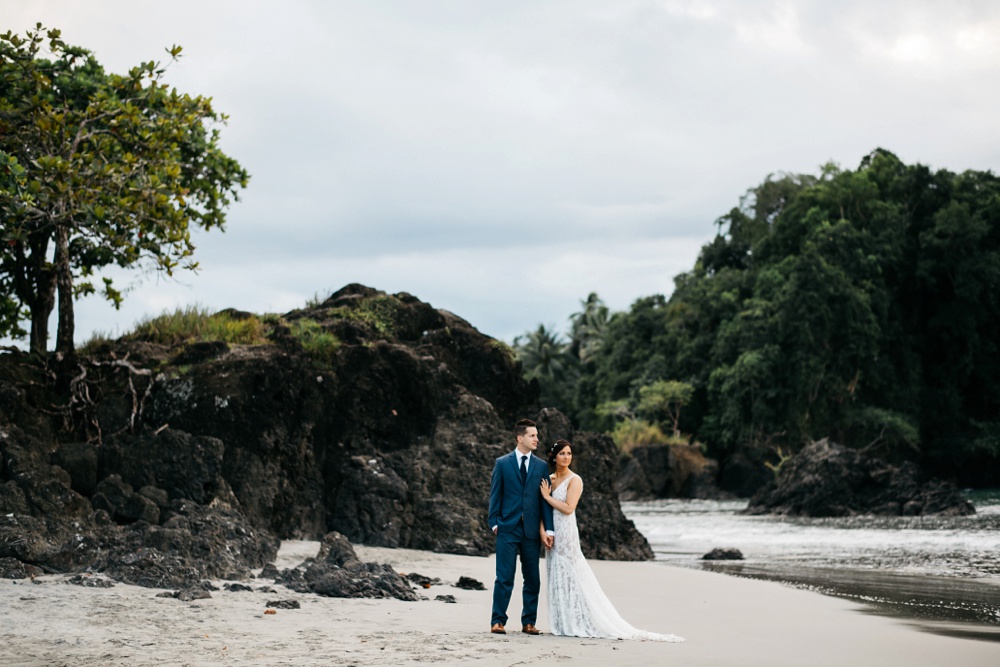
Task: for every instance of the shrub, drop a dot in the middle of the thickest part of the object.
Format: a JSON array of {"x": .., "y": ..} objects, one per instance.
[
  {"x": 96, "y": 340},
  {"x": 316, "y": 341},
  {"x": 377, "y": 314},
  {"x": 632, "y": 433},
  {"x": 196, "y": 324}
]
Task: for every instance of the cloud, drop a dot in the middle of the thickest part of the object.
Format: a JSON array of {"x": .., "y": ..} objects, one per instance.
[{"x": 435, "y": 148}]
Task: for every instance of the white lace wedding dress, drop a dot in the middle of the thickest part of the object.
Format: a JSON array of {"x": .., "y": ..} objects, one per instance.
[{"x": 577, "y": 605}]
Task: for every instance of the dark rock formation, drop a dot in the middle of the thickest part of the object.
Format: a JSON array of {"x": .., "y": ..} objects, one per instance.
[
  {"x": 604, "y": 531},
  {"x": 338, "y": 573},
  {"x": 89, "y": 581},
  {"x": 828, "y": 480},
  {"x": 422, "y": 580},
  {"x": 283, "y": 604},
  {"x": 163, "y": 473},
  {"x": 723, "y": 554},
  {"x": 667, "y": 471},
  {"x": 470, "y": 584},
  {"x": 12, "y": 568},
  {"x": 80, "y": 460},
  {"x": 187, "y": 594},
  {"x": 194, "y": 542},
  {"x": 237, "y": 588}
]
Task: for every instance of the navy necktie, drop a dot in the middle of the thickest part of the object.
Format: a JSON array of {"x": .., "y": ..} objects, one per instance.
[{"x": 524, "y": 468}]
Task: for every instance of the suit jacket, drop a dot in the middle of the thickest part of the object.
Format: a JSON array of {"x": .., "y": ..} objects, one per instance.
[{"x": 512, "y": 500}]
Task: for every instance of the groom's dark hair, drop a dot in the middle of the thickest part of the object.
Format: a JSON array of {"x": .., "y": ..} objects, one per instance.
[{"x": 521, "y": 427}]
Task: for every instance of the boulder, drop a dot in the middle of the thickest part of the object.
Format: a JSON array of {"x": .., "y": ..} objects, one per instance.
[
  {"x": 195, "y": 543},
  {"x": 185, "y": 466},
  {"x": 470, "y": 584},
  {"x": 12, "y": 568},
  {"x": 122, "y": 503},
  {"x": 337, "y": 572},
  {"x": 80, "y": 460},
  {"x": 723, "y": 554},
  {"x": 283, "y": 604},
  {"x": 826, "y": 479}
]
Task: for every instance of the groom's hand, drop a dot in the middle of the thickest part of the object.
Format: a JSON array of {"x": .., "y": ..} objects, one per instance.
[{"x": 548, "y": 541}]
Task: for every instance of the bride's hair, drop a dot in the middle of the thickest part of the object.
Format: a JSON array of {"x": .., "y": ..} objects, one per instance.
[{"x": 555, "y": 449}]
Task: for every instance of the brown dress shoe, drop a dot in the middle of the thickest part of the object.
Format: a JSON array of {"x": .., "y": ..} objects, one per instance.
[
  {"x": 498, "y": 629},
  {"x": 530, "y": 629}
]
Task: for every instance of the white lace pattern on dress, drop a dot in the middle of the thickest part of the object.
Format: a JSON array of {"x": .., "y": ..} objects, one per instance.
[{"x": 577, "y": 605}]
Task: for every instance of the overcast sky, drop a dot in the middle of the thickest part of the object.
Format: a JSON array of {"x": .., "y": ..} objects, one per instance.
[{"x": 503, "y": 159}]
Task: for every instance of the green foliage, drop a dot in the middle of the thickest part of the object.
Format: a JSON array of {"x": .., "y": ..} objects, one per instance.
[
  {"x": 665, "y": 397},
  {"x": 195, "y": 324},
  {"x": 96, "y": 340},
  {"x": 883, "y": 429},
  {"x": 783, "y": 457},
  {"x": 564, "y": 368},
  {"x": 987, "y": 439},
  {"x": 620, "y": 409},
  {"x": 377, "y": 314},
  {"x": 97, "y": 169},
  {"x": 545, "y": 357},
  {"x": 318, "y": 298},
  {"x": 505, "y": 350},
  {"x": 632, "y": 433},
  {"x": 587, "y": 328},
  {"x": 861, "y": 305},
  {"x": 318, "y": 343}
]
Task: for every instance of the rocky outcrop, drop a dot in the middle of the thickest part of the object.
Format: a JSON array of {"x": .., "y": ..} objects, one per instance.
[
  {"x": 667, "y": 471},
  {"x": 604, "y": 533},
  {"x": 829, "y": 480},
  {"x": 165, "y": 473},
  {"x": 338, "y": 572},
  {"x": 140, "y": 537}
]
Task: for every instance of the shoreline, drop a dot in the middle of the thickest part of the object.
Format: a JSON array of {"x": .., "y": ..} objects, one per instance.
[
  {"x": 726, "y": 620},
  {"x": 939, "y": 572},
  {"x": 966, "y": 605}
]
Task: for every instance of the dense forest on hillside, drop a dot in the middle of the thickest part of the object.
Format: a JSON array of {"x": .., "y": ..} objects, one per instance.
[{"x": 861, "y": 305}]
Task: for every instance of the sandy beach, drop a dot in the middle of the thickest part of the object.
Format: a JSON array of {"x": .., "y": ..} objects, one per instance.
[{"x": 726, "y": 621}]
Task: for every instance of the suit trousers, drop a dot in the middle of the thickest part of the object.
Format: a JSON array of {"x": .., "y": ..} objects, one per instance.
[{"x": 511, "y": 544}]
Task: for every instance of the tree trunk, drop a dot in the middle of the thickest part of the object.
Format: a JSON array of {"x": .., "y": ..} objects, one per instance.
[
  {"x": 40, "y": 309},
  {"x": 35, "y": 287},
  {"x": 66, "y": 326},
  {"x": 40, "y": 301}
]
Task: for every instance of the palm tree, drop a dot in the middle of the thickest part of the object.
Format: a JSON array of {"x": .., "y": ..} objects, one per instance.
[
  {"x": 587, "y": 328},
  {"x": 545, "y": 357}
]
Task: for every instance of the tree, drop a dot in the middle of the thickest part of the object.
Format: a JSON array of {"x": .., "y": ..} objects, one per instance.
[
  {"x": 97, "y": 169},
  {"x": 665, "y": 397},
  {"x": 862, "y": 305},
  {"x": 545, "y": 357},
  {"x": 587, "y": 328}
]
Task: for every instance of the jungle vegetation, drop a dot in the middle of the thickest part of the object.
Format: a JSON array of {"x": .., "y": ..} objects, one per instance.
[{"x": 857, "y": 304}]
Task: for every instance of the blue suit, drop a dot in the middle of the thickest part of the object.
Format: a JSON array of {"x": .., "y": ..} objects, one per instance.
[{"x": 517, "y": 511}]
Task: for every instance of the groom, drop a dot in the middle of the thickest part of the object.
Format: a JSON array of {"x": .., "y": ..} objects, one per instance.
[{"x": 516, "y": 514}]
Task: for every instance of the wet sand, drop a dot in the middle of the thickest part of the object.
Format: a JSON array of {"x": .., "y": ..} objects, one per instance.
[{"x": 726, "y": 621}]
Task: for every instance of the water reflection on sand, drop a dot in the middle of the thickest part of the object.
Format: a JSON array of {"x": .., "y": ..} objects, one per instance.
[{"x": 940, "y": 573}]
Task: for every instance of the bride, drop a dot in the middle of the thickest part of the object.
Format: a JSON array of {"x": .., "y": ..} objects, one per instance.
[{"x": 577, "y": 605}]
